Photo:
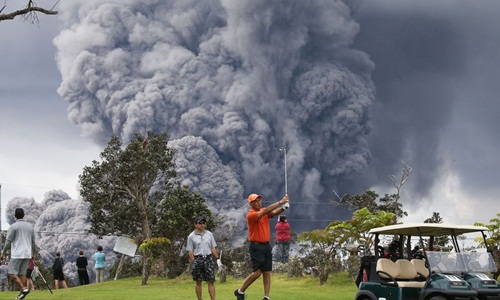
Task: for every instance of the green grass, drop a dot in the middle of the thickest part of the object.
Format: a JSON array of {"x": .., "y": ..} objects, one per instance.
[{"x": 338, "y": 287}]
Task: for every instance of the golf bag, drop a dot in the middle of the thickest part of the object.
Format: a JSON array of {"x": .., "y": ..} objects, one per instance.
[{"x": 365, "y": 269}]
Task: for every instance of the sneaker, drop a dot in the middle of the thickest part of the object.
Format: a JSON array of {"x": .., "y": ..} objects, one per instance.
[
  {"x": 239, "y": 296},
  {"x": 23, "y": 294},
  {"x": 265, "y": 298}
]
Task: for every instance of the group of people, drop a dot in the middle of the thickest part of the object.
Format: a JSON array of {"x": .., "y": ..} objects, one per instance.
[
  {"x": 81, "y": 265},
  {"x": 4, "y": 275},
  {"x": 201, "y": 247},
  {"x": 20, "y": 242}
]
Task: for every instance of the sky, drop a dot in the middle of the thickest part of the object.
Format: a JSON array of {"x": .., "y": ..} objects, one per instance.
[
  {"x": 40, "y": 149},
  {"x": 351, "y": 89}
]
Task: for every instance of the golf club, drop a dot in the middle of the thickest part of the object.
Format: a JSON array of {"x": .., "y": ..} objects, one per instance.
[
  {"x": 286, "y": 184},
  {"x": 40, "y": 273}
]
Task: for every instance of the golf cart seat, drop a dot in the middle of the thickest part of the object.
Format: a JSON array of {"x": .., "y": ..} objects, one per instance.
[
  {"x": 407, "y": 271},
  {"x": 401, "y": 273},
  {"x": 419, "y": 265}
]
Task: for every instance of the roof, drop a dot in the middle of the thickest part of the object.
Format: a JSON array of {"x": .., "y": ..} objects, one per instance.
[{"x": 427, "y": 229}]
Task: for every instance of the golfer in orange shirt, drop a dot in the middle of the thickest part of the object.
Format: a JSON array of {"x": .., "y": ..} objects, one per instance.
[{"x": 259, "y": 235}]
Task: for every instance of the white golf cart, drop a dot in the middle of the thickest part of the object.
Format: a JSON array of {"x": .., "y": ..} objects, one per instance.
[{"x": 434, "y": 275}]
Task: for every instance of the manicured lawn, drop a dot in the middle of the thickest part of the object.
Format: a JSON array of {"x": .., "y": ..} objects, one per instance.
[{"x": 338, "y": 287}]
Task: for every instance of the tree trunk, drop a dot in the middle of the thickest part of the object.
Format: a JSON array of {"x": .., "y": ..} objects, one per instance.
[
  {"x": 323, "y": 277},
  {"x": 146, "y": 232},
  {"x": 145, "y": 268}
]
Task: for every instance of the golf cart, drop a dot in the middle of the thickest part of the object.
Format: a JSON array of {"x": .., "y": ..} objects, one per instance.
[{"x": 431, "y": 275}]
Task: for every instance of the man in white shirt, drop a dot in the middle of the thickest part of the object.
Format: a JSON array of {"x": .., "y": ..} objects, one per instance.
[
  {"x": 21, "y": 243},
  {"x": 201, "y": 250}
]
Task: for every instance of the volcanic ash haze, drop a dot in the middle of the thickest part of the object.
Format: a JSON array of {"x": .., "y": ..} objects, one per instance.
[{"x": 231, "y": 82}]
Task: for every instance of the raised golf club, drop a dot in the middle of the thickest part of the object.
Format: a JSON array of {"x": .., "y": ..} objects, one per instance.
[{"x": 286, "y": 184}]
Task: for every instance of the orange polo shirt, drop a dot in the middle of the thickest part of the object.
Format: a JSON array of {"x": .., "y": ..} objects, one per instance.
[{"x": 258, "y": 228}]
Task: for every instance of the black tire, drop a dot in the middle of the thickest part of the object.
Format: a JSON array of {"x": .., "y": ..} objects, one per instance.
[{"x": 363, "y": 298}]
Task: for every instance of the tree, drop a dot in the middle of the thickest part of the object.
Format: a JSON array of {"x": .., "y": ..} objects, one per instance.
[
  {"x": 322, "y": 246},
  {"x": 441, "y": 241},
  {"x": 493, "y": 240},
  {"x": 178, "y": 211},
  {"x": 369, "y": 200},
  {"x": 389, "y": 203},
  {"x": 127, "y": 187},
  {"x": 355, "y": 230},
  {"x": 398, "y": 184},
  {"x": 325, "y": 243},
  {"x": 463, "y": 239},
  {"x": 436, "y": 218},
  {"x": 355, "y": 202},
  {"x": 28, "y": 13},
  {"x": 153, "y": 249},
  {"x": 393, "y": 201}
]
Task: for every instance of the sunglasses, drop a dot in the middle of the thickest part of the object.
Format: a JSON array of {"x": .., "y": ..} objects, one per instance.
[{"x": 201, "y": 222}]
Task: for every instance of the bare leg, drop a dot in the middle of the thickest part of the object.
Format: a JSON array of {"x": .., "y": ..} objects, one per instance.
[
  {"x": 211, "y": 290},
  {"x": 24, "y": 280},
  {"x": 197, "y": 288},
  {"x": 31, "y": 285},
  {"x": 250, "y": 279},
  {"x": 64, "y": 284},
  {"x": 20, "y": 281},
  {"x": 56, "y": 284},
  {"x": 266, "y": 276}
]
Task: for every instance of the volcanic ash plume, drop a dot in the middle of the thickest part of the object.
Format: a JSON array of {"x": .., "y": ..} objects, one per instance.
[{"x": 243, "y": 77}]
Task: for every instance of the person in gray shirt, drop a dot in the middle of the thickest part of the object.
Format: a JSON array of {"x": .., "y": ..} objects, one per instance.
[
  {"x": 201, "y": 250},
  {"x": 20, "y": 241},
  {"x": 4, "y": 279}
]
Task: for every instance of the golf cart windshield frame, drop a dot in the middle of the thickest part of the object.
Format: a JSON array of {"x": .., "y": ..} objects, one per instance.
[{"x": 466, "y": 262}]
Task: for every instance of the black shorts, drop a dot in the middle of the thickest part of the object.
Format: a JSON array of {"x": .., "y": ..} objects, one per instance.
[
  {"x": 262, "y": 257},
  {"x": 28, "y": 273},
  {"x": 58, "y": 275}
]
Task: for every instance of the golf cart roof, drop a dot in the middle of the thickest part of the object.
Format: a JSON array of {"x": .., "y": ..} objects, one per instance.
[{"x": 427, "y": 229}]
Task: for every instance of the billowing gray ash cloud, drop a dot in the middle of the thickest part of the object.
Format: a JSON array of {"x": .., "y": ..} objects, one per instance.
[{"x": 232, "y": 81}]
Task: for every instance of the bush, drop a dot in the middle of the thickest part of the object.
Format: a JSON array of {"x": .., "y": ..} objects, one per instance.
[
  {"x": 132, "y": 267},
  {"x": 352, "y": 265},
  {"x": 295, "y": 267},
  {"x": 238, "y": 261}
]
